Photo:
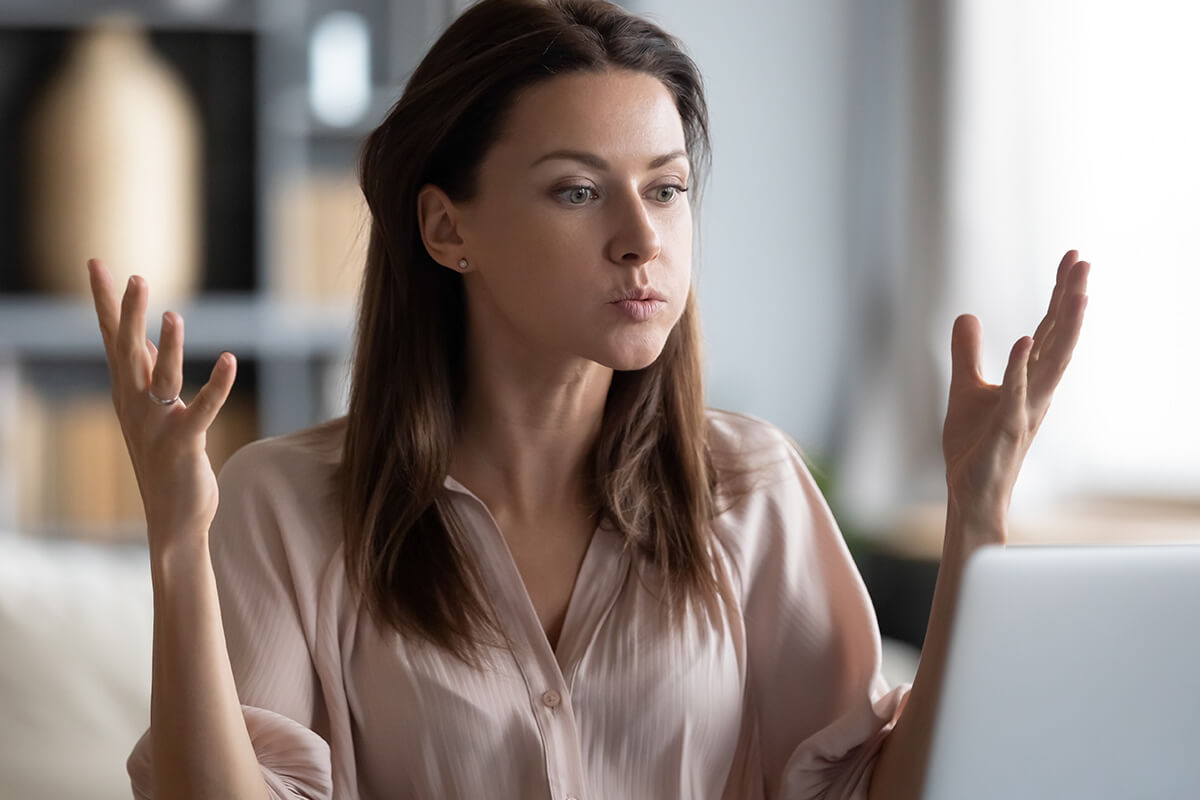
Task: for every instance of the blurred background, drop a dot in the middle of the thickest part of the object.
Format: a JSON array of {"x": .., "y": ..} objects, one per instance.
[{"x": 880, "y": 166}]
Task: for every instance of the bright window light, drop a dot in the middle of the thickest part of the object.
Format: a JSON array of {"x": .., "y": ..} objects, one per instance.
[
  {"x": 339, "y": 66},
  {"x": 1074, "y": 123}
]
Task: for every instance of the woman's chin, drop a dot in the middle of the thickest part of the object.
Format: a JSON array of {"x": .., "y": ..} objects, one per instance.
[{"x": 634, "y": 359}]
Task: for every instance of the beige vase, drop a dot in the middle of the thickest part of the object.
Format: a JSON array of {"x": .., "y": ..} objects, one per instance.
[{"x": 112, "y": 156}]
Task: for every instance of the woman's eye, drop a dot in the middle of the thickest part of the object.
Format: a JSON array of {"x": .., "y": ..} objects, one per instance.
[
  {"x": 580, "y": 195},
  {"x": 666, "y": 194},
  {"x": 577, "y": 195}
]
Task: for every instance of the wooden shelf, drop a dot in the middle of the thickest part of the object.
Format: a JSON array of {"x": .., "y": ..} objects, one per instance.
[
  {"x": 248, "y": 326},
  {"x": 234, "y": 17},
  {"x": 919, "y": 531},
  {"x": 289, "y": 320}
]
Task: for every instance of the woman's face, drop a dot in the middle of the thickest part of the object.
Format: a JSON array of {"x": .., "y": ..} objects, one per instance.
[{"x": 579, "y": 204}]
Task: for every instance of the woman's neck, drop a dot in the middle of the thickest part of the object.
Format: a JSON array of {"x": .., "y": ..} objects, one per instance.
[{"x": 526, "y": 440}]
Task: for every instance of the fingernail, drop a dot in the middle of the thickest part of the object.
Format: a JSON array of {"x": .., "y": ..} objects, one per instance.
[{"x": 131, "y": 284}]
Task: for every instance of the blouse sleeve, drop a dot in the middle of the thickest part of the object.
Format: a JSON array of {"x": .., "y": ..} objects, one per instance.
[
  {"x": 261, "y": 585},
  {"x": 813, "y": 646}
]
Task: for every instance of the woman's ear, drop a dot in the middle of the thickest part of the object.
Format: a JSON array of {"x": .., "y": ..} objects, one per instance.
[{"x": 438, "y": 219}]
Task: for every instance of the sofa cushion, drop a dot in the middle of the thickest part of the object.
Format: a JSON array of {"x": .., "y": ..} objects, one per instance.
[{"x": 76, "y": 625}]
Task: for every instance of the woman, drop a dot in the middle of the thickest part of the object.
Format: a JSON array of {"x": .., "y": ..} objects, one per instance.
[{"x": 528, "y": 562}]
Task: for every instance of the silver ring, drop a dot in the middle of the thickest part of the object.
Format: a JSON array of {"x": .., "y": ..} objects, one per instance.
[{"x": 160, "y": 401}]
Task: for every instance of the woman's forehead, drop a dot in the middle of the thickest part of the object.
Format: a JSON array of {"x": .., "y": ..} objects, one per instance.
[{"x": 619, "y": 116}]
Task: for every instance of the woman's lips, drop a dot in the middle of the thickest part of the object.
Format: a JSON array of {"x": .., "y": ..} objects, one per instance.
[{"x": 640, "y": 310}]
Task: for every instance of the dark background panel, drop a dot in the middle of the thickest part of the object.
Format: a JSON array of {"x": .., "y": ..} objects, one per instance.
[{"x": 218, "y": 67}]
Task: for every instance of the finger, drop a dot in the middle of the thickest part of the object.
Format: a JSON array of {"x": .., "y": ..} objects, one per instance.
[
  {"x": 1069, "y": 259},
  {"x": 1069, "y": 313},
  {"x": 1058, "y": 354},
  {"x": 167, "y": 378},
  {"x": 212, "y": 395},
  {"x": 1041, "y": 337},
  {"x": 1061, "y": 281},
  {"x": 108, "y": 310},
  {"x": 1075, "y": 284},
  {"x": 1016, "y": 386},
  {"x": 153, "y": 350},
  {"x": 133, "y": 358},
  {"x": 964, "y": 350},
  {"x": 1079, "y": 277}
]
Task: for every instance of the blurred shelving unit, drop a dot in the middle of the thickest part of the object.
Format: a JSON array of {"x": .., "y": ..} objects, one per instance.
[{"x": 283, "y": 228}]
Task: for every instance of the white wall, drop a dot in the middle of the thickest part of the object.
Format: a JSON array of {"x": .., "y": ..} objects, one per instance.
[{"x": 772, "y": 257}]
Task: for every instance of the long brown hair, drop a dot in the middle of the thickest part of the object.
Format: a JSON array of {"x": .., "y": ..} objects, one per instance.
[{"x": 652, "y": 471}]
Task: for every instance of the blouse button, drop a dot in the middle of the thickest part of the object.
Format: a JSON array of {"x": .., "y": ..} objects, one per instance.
[{"x": 552, "y": 698}]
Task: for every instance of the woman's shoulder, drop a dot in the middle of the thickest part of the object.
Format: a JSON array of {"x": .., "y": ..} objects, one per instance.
[
  {"x": 305, "y": 454},
  {"x": 744, "y": 443},
  {"x": 737, "y": 426},
  {"x": 287, "y": 482},
  {"x": 760, "y": 469},
  {"x": 277, "y": 530},
  {"x": 768, "y": 503}
]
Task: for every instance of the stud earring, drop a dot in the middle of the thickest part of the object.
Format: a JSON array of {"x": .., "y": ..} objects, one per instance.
[{"x": 462, "y": 263}]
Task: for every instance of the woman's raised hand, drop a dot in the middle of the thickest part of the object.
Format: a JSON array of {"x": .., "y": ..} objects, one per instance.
[
  {"x": 989, "y": 428},
  {"x": 166, "y": 442}
]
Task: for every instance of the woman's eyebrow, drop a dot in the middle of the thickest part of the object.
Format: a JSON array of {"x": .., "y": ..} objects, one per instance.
[{"x": 593, "y": 160}]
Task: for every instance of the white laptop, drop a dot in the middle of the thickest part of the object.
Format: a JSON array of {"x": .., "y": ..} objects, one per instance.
[{"x": 1073, "y": 672}]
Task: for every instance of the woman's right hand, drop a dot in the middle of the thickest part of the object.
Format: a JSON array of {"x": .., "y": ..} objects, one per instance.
[{"x": 166, "y": 442}]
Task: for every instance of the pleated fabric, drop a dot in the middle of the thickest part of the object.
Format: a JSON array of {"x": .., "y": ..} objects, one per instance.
[{"x": 781, "y": 697}]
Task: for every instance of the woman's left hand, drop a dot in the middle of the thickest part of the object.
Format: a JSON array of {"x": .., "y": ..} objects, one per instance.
[{"x": 989, "y": 428}]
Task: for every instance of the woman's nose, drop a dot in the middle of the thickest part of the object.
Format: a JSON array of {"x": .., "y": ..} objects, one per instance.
[{"x": 635, "y": 237}]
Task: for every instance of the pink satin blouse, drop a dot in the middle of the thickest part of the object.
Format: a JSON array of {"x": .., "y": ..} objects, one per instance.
[{"x": 783, "y": 699}]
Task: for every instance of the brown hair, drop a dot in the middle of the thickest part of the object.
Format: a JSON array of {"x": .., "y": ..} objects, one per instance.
[{"x": 652, "y": 472}]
